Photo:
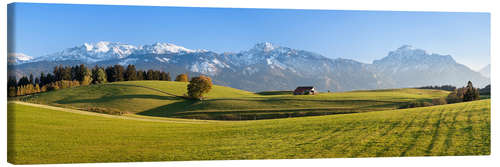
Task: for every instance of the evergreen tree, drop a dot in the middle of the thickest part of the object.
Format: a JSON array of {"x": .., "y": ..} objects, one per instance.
[
  {"x": 164, "y": 76},
  {"x": 150, "y": 75},
  {"x": 471, "y": 93},
  {"x": 50, "y": 78},
  {"x": 31, "y": 80},
  {"x": 99, "y": 76},
  {"x": 130, "y": 73},
  {"x": 37, "y": 81},
  {"x": 139, "y": 75},
  {"x": 109, "y": 74},
  {"x": 12, "y": 81},
  {"x": 43, "y": 79},
  {"x": 118, "y": 72},
  {"x": 57, "y": 73},
  {"x": 156, "y": 75},
  {"x": 23, "y": 81},
  {"x": 66, "y": 73}
]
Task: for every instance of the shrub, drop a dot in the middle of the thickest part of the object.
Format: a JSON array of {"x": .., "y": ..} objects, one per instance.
[
  {"x": 43, "y": 88},
  {"x": 52, "y": 87},
  {"x": 439, "y": 101},
  {"x": 453, "y": 98},
  {"x": 12, "y": 91},
  {"x": 105, "y": 110},
  {"x": 414, "y": 104},
  {"x": 87, "y": 80},
  {"x": 182, "y": 78},
  {"x": 425, "y": 104}
]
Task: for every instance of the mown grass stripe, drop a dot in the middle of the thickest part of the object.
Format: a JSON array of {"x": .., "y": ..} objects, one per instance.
[
  {"x": 451, "y": 131},
  {"x": 435, "y": 133},
  {"x": 48, "y": 136},
  {"x": 416, "y": 135}
]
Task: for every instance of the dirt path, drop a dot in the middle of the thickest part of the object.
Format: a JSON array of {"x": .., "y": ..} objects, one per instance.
[{"x": 126, "y": 117}]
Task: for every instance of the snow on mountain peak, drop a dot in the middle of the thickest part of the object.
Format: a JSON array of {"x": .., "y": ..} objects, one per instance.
[
  {"x": 104, "y": 50},
  {"x": 162, "y": 48},
  {"x": 407, "y": 54},
  {"x": 406, "y": 47},
  {"x": 18, "y": 58},
  {"x": 264, "y": 46},
  {"x": 102, "y": 46}
]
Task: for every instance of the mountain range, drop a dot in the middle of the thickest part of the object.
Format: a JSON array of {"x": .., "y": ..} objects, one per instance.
[
  {"x": 485, "y": 71},
  {"x": 265, "y": 66}
]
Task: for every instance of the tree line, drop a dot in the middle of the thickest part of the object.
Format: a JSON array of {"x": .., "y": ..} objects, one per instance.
[
  {"x": 80, "y": 75},
  {"x": 463, "y": 94},
  {"x": 442, "y": 87}
]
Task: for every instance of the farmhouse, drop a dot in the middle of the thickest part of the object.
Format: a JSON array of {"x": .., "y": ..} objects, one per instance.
[{"x": 304, "y": 90}]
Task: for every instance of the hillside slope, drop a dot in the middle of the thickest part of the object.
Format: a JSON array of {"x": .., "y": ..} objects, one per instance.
[
  {"x": 49, "y": 136},
  {"x": 158, "y": 98}
]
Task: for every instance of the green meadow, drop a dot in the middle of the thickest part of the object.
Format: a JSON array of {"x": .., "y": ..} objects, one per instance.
[
  {"x": 160, "y": 125},
  {"x": 38, "y": 135},
  {"x": 161, "y": 99}
]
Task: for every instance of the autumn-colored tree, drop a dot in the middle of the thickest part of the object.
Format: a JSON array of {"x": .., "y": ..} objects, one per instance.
[
  {"x": 44, "y": 88},
  {"x": 182, "y": 78},
  {"x": 87, "y": 80},
  {"x": 12, "y": 91},
  {"x": 98, "y": 75},
  {"x": 199, "y": 86},
  {"x": 37, "y": 88}
]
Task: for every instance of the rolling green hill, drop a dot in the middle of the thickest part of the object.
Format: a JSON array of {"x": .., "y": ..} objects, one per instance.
[
  {"x": 39, "y": 135},
  {"x": 159, "y": 98}
]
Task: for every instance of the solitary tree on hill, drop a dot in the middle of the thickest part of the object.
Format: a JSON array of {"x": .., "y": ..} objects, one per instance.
[{"x": 199, "y": 86}]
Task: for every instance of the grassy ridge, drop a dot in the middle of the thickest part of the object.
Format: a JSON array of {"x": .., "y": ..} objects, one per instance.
[
  {"x": 225, "y": 103},
  {"x": 48, "y": 136}
]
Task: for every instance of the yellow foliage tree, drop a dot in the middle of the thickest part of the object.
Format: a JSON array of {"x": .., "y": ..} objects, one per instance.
[{"x": 182, "y": 78}]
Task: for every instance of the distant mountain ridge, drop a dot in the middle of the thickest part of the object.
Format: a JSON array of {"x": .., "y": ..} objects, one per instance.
[
  {"x": 485, "y": 71},
  {"x": 269, "y": 67}
]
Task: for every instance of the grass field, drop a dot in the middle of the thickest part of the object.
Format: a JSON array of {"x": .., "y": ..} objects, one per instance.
[
  {"x": 39, "y": 135},
  {"x": 225, "y": 103}
]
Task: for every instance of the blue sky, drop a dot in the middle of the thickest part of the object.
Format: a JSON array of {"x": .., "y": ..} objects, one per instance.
[{"x": 40, "y": 29}]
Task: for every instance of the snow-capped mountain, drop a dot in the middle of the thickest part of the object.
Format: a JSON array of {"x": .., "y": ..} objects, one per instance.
[
  {"x": 103, "y": 50},
  {"x": 91, "y": 52},
  {"x": 162, "y": 48},
  {"x": 270, "y": 67},
  {"x": 18, "y": 58},
  {"x": 412, "y": 67},
  {"x": 485, "y": 71}
]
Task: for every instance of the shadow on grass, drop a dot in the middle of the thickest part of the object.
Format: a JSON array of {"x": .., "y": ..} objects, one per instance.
[
  {"x": 185, "y": 108},
  {"x": 285, "y": 92},
  {"x": 105, "y": 99},
  {"x": 170, "y": 109}
]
